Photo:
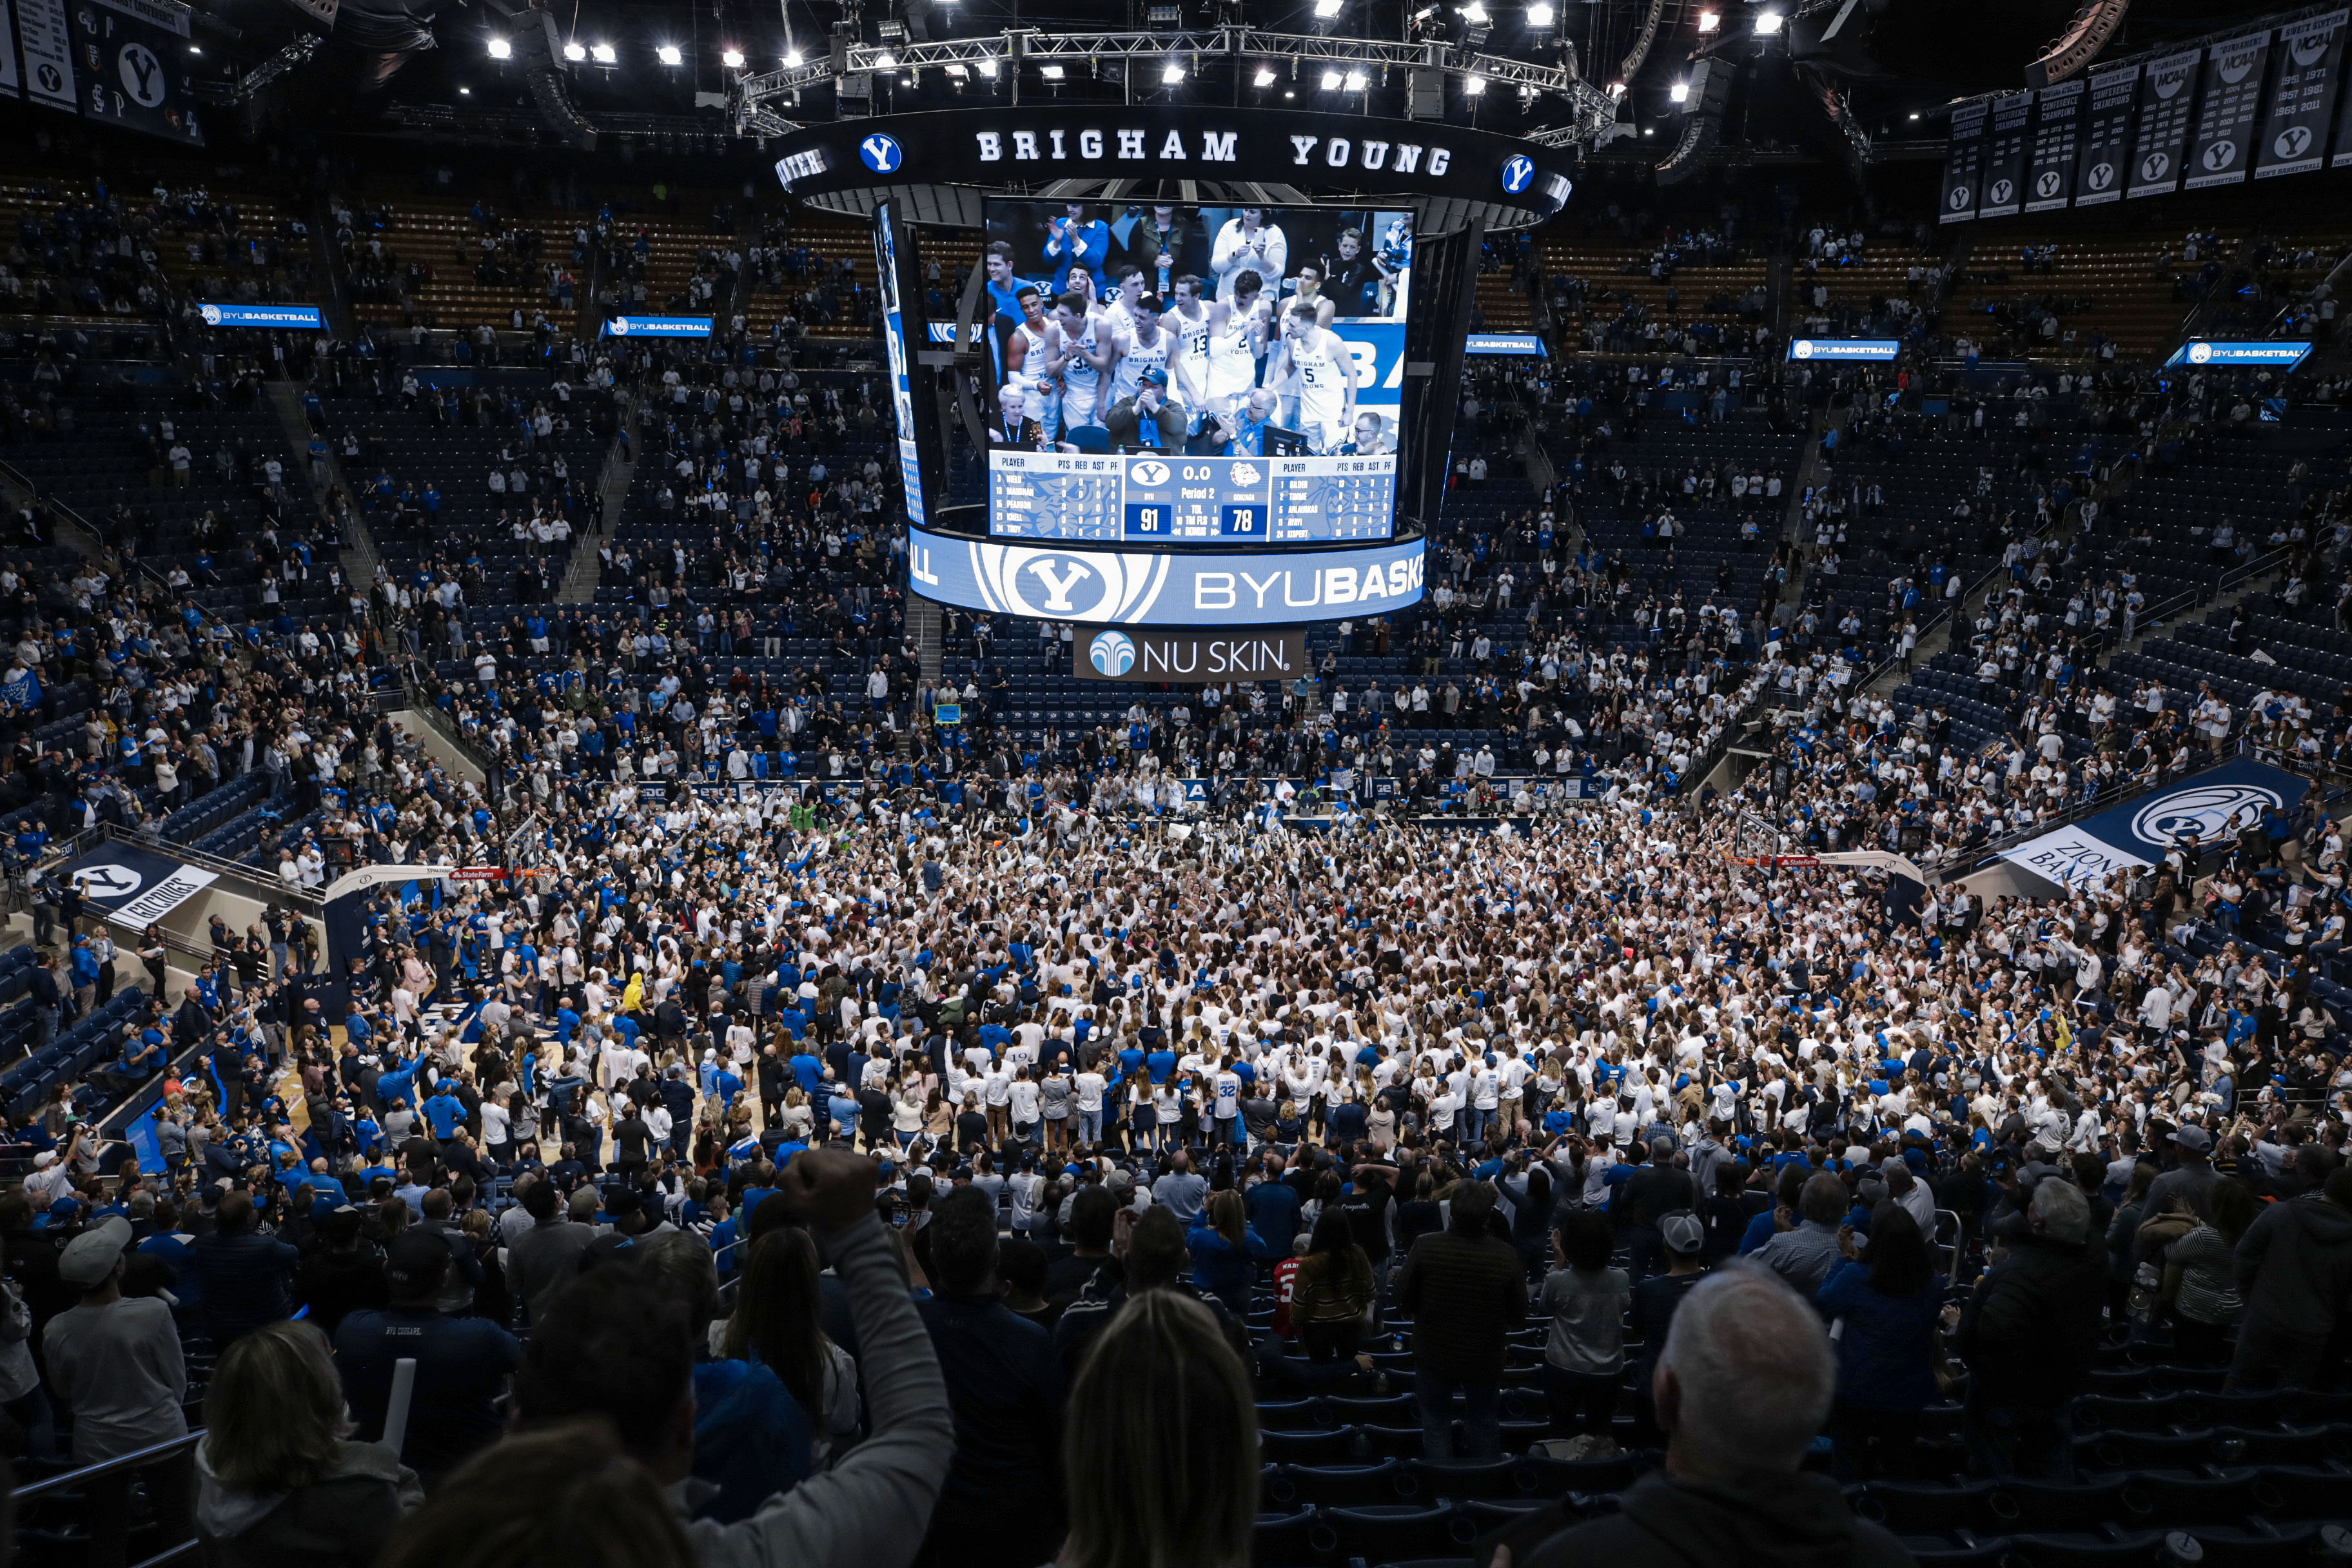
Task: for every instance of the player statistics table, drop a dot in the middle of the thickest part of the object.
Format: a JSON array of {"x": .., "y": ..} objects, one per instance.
[{"x": 1153, "y": 500}]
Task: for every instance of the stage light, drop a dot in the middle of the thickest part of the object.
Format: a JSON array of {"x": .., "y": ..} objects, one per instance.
[
  {"x": 1173, "y": 75},
  {"x": 1679, "y": 92},
  {"x": 1914, "y": 116},
  {"x": 957, "y": 71},
  {"x": 670, "y": 55},
  {"x": 1328, "y": 8},
  {"x": 465, "y": 92},
  {"x": 1051, "y": 73},
  {"x": 1708, "y": 21},
  {"x": 793, "y": 60},
  {"x": 987, "y": 69},
  {"x": 887, "y": 60},
  {"x": 195, "y": 49},
  {"x": 1355, "y": 81},
  {"x": 1616, "y": 90},
  {"x": 893, "y": 32},
  {"x": 1649, "y": 131},
  {"x": 1331, "y": 80},
  {"x": 500, "y": 49},
  {"x": 1540, "y": 15},
  {"x": 1264, "y": 76},
  {"x": 1767, "y": 23},
  {"x": 604, "y": 54},
  {"x": 732, "y": 58},
  {"x": 1474, "y": 12},
  {"x": 1166, "y": 15},
  {"x": 575, "y": 51},
  {"x": 1473, "y": 86}
]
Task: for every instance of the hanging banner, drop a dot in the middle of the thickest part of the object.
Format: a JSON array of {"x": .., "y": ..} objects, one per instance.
[
  {"x": 135, "y": 886},
  {"x": 2050, "y": 167},
  {"x": 2004, "y": 167},
  {"x": 11, "y": 84},
  {"x": 2222, "y": 149},
  {"x": 2168, "y": 91},
  {"x": 2293, "y": 138},
  {"x": 2105, "y": 139},
  {"x": 1964, "y": 161},
  {"x": 131, "y": 53},
  {"x": 47, "y": 45}
]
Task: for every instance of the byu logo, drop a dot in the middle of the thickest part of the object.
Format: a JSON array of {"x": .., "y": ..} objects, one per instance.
[
  {"x": 1111, "y": 653},
  {"x": 882, "y": 153},
  {"x": 1803, "y": 349},
  {"x": 2102, "y": 176},
  {"x": 112, "y": 880},
  {"x": 1060, "y": 583},
  {"x": 2209, "y": 812},
  {"x": 2155, "y": 165},
  {"x": 141, "y": 74},
  {"x": 620, "y": 326},
  {"x": 1961, "y": 198},
  {"x": 52, "y": 81},
  {"x": 2221, "y": 154},
  {"x": 2047, "y": 185},
  {"x": 1150, "y": 473},
  {"x": 211, "y": 313},
  {"x": 2200, "y": 353},
  {"x": 2292, "y": 142},
  {"x": 2001, "y": 191},
  {"x": 1518, "y": 173}
]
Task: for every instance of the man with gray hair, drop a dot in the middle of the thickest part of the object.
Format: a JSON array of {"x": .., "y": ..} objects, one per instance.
[
  {"x": 1806, "y": 1248},
  {"x": 2031, "y": 1334},
  {"x": 1742, "y": 1389}
]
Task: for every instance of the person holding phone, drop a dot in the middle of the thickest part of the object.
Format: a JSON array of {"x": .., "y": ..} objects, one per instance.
[{"x": 1247, "y": 243}]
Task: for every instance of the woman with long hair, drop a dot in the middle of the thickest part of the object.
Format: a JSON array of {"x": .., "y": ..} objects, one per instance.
[
  {"x": 778, "y": 1321},
  {"x": 1888, "y": 1302},
  {"x": 279, "y": 1484},
  {"x": 1333, "y": 1292},
  {"x": 1224, "y": 1250}
]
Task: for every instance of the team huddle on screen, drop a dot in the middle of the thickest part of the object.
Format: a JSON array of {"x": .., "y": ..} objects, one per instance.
[{"x": 1238, "y": 360}]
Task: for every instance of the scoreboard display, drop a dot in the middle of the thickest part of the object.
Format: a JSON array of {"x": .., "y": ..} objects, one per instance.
[{"x": 1150, "y": 498}]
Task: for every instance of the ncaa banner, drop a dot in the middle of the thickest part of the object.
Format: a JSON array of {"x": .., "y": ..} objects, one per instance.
[
  {"x": 11, "y": 84},
  {"x": 1964, "y": 154},
  {"x": 131, "y": 51},
  {"x": 2004, "y": 168},
  {"x": 2105, "y": 141},
  {"x": 2050, "y": 168},
  {"x": 2222, "y": 149},
  {"x": 2168, "y": 92},
  {"x": 48, "y": 43},
  {"x": 2294, "y": 137}
]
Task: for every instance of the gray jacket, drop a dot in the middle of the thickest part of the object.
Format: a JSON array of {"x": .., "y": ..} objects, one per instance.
[{"x": 542, "y": 1260}]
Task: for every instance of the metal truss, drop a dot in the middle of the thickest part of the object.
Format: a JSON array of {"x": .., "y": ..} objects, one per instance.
[{"x": 754, "y": 99}]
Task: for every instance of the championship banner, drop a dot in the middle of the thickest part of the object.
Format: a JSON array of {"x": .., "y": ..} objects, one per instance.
[
  {"x": 11, "y": 84},
  {"x": 2004, "y": 169},
  {"x": 2310, "y": 69},
  {"x": 133, "y": 886},
  {"x": 2168, "y": 92},
  {"x": 2105, "y": 139},
  {"x": 48, "y": 44},
  {"x": 2223, "y": 148},
  {"x": 131, "y": 51},
  {"x": 2050, "y": 167},
  {"x": 1964, "y": 162}
]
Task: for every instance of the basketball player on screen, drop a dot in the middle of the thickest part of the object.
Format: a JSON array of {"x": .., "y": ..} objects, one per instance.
[{"x": 1312, "y": 365}]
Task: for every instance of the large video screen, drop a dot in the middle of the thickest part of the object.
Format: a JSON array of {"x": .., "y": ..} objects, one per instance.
[
  {"x": 889, "y": 241},
  {"x": 1185, "y": 375}
]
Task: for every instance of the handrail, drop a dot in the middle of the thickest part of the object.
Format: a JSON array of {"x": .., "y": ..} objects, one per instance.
[
  {"x": 138, "y": 1459},
  {"x": 67, "y": 513}
]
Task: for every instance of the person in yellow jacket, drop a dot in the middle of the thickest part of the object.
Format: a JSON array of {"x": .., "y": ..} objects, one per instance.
[{"x": 634, "y": 997}]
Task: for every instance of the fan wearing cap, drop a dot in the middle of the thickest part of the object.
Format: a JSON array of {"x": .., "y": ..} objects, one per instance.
[
  {"x": 2192, "y": 1177},
  {"x": 1149, "y": 418},
  {"x": 461, "y": 1363},
  {"x": 115, "y": 1362}
]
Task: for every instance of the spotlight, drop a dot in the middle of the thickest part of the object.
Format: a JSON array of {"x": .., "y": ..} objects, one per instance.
[
  {"x": 1616, "y": 90},
  {"x": 793, "y": 60},
  {"x": 957, "y": 71},
  {"x": 1328, "y": 8},
  {"x": 670, "y": 55},
  {"x": 1474, "y": 12},
  {"x": 1767, "y": 23},
  {"x": 1914, "y": 116},
  {"x": 1708, "y": 21},
  {"x": 194, "y": 50},
  {"x": 1679, "y": 92},
  {"x": 1540, "y": 15},
  {"x": 987, "y": 69},
  {"x": 1173, "y": 75},
  {"x": 500, "y": 49},
  {"x": 465, "y": 92},
  {"x": 1331, "y": 80},
  {"x": 1649, "y": 131},
  {"x": 1264, "y": 76},
  {"x": 604, "y": 54},
  {"x": 575, "y": 51},
  {"x": 732, "y": 58},
  {"x": 1473, "y": 86},
  {"x": 1355, "y": 81},
  {"x": 887, "y": 60},
  {"x": 893, "y": 32},
  {"x": 1166, "y": 15},
  {"x": 1051, "y": 73}
]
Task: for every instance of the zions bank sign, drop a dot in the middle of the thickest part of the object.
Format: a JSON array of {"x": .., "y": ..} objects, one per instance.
[{"x": 1331, "y": 153}]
